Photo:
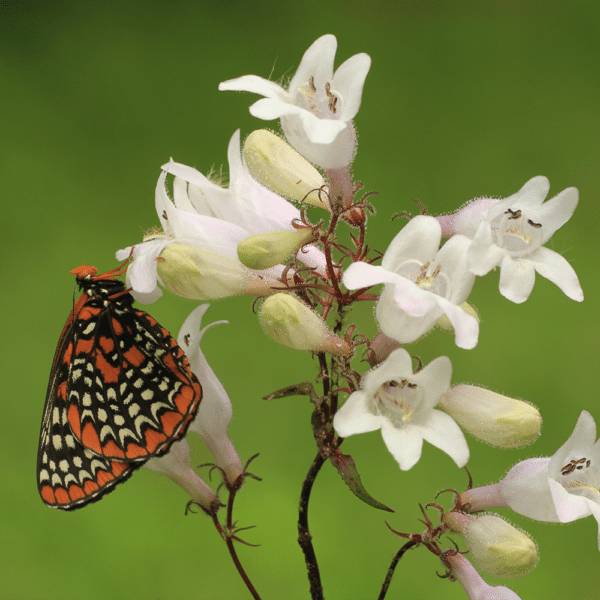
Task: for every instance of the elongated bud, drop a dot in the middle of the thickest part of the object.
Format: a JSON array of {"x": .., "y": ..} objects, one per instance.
[
  {"x": 497, "y": 547},
  {"x": 499, "y": 420},
  {"x": 290, "y": 322},
  {"x": 175, "y": 465},
  {"x": 275, "y": 164},
  {"x": 201, "y": 275},
  {"x": 266, "y": 250}
]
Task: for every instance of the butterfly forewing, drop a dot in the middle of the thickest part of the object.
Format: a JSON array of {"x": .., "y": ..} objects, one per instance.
[
  {"x": 130, "y": 394},
  {"x": 121, "y": 391}
]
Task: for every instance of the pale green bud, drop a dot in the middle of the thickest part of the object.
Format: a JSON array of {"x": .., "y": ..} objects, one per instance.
[
  {"x": 276, "y": 165},
  {"x": 497, "y": 547},
  {"x": 266, "y": 250},
  {"x": 201, "y": 275},
  {"x": 491, "y": 417},
  {"x": 290, "y": 322}
]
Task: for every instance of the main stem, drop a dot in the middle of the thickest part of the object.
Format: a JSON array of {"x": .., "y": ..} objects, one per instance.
[{"x": 304, "y": 537}]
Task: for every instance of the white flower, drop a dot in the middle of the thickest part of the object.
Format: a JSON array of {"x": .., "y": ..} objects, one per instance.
[
  {"x": 511, "y": 233},
  {"x": 317, "y": 109},
  {"x": 175, "y": 465},
  {"x": 401, "y": 404},
  {"x": 560, "y": 488},
  {"x": 475, "y": 587},
  {"x": 212, "y": 221},
  {"x": 422, "y": 283},
  {"x": 215, "y": 411}
]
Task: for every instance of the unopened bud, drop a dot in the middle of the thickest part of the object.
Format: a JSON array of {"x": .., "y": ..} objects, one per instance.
[
  {"x": 266, "y": 250},
  {"x": 290, "y": 322},
  {"x": 499, "y": 420},
  {"x": 497, "y": 547},
  {"x": 276, "y": 165},
  {"x": 201, "y": 275}
]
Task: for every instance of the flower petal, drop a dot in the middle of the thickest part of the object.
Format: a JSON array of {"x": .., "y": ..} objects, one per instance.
[
  {"x": 516, "y": 279},
  {"x": 483, "y": 255},
  {"x": 556, "y": 268},
  {"x": 362, "y": 275},
  {"x": 418, "y": 239},
  {"x": 317, "y": 62},
  {"x": 466, "y": 327},
  {"x": 441, "y": 431},
  {"x": 268, "y": 109},
  {"x": 557, "y": 211},
  {"x": 405, "y": 445},
  {"x": 349, "y": 80},
  {"x": 355, "y": 417},
  {"x": 254, "y": 84},
  {"x": 531, "y": 195},
  {"x": 569, "y": 507}
]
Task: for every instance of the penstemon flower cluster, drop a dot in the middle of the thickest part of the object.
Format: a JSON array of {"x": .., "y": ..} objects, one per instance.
[{"x": 255, "y": 238}]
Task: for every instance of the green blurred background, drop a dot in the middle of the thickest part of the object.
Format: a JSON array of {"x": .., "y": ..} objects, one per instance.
[{"x": 464, "y": 99}]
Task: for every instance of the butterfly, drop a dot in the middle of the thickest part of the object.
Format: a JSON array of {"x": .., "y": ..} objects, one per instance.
[{"x": 121, "y": 391}]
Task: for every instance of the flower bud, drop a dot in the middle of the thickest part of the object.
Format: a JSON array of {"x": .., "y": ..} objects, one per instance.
[
  {"x": 499, "y": 420},
  {"x": 498, "y": 548},
  {"x": 269, "y": 249},
  {"x": 276, "y": 165},
  {"x": 201, "y": 275},
  {"x": 290, "y": 322}
]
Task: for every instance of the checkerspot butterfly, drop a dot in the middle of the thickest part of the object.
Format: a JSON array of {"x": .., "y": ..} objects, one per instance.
[{"x": 121, "y": 391}]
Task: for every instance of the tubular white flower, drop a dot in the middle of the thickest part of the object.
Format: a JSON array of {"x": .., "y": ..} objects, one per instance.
[
  {"x": 317, "y": 109},
  {"x": 493, "y": 418},
  {"x": 475, "y": 587},
  {"x": 497, "y": 547},
  {"x": 511, "y": 233},
  {"x": 209, "y": 218},
  {"x": 561, "y": 488},
  {"x": 175, "y": 465},
  {"x": 422, "y": 283},
  {"x": 401, "y": 404},
  {"x": 215, "y": 411}
]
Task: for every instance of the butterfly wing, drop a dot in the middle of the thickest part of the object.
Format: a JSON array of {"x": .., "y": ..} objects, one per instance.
[
  {"x": 121, "y": 391},
  {"x": 131, "y": 392},
  {"x": 69, "y": 475}
]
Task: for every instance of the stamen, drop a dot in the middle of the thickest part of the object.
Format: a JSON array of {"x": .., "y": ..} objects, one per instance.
[{"x": 311, "y": 84}]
